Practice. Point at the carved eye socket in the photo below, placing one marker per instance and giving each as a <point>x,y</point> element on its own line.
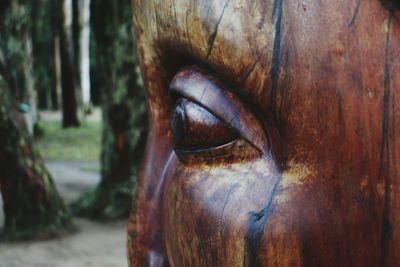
<point>195,128</point>
<point>210,122</point>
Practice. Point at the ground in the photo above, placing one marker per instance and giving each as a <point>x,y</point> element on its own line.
<point>94,244</point>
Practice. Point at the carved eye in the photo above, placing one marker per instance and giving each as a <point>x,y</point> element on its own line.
<point>209,121</point>
<point>195,128</point>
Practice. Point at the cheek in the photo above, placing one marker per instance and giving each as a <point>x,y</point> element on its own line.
<point>206,211</point>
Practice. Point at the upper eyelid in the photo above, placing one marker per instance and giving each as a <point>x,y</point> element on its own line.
<point>194,84</point>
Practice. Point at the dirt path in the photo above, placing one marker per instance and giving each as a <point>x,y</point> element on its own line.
<point>95,244</point>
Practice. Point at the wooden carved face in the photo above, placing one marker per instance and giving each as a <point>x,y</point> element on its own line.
<point>274,133</point>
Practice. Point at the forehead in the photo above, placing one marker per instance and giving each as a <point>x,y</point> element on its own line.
<point>264,46</point>
<point>235,38</point>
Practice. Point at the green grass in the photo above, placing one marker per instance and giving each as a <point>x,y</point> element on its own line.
<point>71,144</point>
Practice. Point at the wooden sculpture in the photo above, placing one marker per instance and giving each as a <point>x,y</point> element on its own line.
<point>274,133</point>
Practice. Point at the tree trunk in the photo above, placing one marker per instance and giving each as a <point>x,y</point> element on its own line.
<point>56,79</point>
<point>42,36</point>
<point>123,112</point>
<point>31,95</point>
<point>68,79</point>
<point>32,206</point>
<point>56,87</point>
<point>16,60</point>
<point>84,57</point>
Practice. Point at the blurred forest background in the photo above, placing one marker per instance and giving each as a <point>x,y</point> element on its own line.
<point>71,108</point>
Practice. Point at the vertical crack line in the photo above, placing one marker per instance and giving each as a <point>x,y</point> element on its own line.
<point>213,35</point>
<point>175,19</point>
<point>255,231</point>
<point>157,16</point>
<point>258,220</point>
<point>355,14</point>
<point>385,152</point>
<point>275,66</point>
<point>250,70</point>
<point>187,31</point>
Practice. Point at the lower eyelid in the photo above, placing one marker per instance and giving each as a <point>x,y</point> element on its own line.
<point>236,150</point>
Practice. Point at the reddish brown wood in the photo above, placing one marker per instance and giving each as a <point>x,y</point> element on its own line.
<point>311,175</point>
<point>195,128</point>
<point>194,84</point>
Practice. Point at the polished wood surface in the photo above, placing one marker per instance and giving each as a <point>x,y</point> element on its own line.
<point>274,133</point>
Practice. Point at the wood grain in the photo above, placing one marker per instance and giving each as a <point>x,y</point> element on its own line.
<point>322,78</point>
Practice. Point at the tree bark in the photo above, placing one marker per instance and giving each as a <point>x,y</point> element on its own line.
<point>32,206</point>
<point>56,79</point>
<point>56,90</point>
<point>68,78</point>
<point>84,56</point>
<point>16,60</point>
<point>42,35</point>
<point>31,94</point>
<point>124,114</point>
